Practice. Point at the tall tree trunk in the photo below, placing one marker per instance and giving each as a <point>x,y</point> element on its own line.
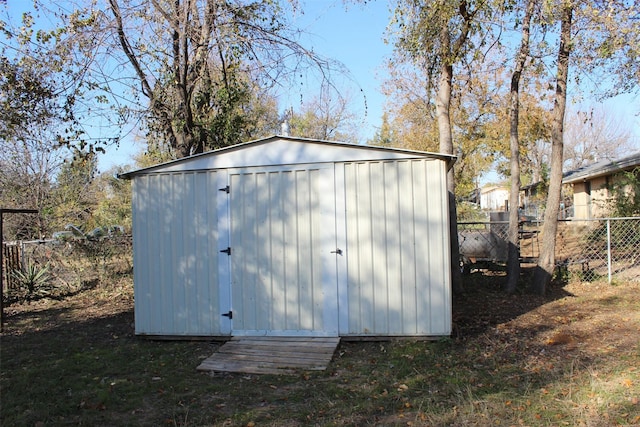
<point>443,104</point>
<point>546,261</point>
<point>513,257</point>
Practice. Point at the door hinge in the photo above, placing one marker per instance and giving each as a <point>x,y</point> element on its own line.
<point>225,189</point>
<point>226,251</point>
<point>229,314</point>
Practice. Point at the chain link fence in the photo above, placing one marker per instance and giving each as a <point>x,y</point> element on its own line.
<point>590,249</point>
<point>600,248</point>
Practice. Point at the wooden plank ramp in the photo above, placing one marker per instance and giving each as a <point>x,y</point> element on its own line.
<point>272,355</point>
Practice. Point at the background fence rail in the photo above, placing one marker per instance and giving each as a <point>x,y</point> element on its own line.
<point>606,247</point>
<point>592,249</point>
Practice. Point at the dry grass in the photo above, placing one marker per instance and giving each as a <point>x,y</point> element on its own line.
<point>570,358</point>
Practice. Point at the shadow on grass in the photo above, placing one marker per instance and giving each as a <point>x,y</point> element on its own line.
<point>78,362</point>
<point>484,304</point>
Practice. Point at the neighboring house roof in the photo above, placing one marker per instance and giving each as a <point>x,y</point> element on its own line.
<point>492,189</point>
<point>286,150</point>
<point>602,168</point>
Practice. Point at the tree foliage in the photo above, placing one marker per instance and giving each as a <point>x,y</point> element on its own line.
<point>625,194</point>
<point>325,117</point>
<point>436,36</point>
<point>385,136</point>
<point>197,73</point>
<point>44,91</point>
<point>74,195</point>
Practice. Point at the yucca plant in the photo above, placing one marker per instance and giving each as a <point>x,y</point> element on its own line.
<point>32,277</point>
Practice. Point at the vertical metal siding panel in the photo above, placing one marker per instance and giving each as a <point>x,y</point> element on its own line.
<point>426,260</point>
<point>183,274</point>
<point>268,259</point>
<point>190,223</point>
<point>365,242</point>
<point>433,276</point>
<point>353,253</point>
<point>394,245</point>
<point>221,285</point>
<point>367,214</point>
<point>439,297</point>
<point>314,292</point>
<point>407,251</point>
<point>377,185</point>
<point>291,254</point>
<point>236,228</point>
<point>200,250</point>
<point>262,243</point>
<point>174,300</point>
<point>325,226</point>
<point>164,309</point>
<point>210,307</point>
<point>305,267</point>
<point>278,247</point>
<point>156,249</point>
<point>341,189</point>
<point>141,237</point>
<point>249,258</point>
<point>204,300</point>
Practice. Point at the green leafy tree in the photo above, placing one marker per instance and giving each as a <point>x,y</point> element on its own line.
<point>326,117</point>
<point>625,194</point>
<point>594,37</point>
<point>437,36</point>
<point>75,196</point>
<point>114,199</point>
<point>385,135</point>
<point>27,171</point>
<point>44,92</point>
<point>513,245</point>
<point>43,110</point>
<point>194,72</point>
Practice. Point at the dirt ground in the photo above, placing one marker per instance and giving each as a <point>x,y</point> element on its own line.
<point>590,316</point>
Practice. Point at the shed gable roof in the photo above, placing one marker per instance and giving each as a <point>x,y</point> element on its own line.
<point>284,150</point>
<point>602,168</point>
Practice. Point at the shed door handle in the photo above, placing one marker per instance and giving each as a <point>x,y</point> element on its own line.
<point>337,251</point>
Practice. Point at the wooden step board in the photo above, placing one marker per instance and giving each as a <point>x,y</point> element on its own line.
<point>272,355</point>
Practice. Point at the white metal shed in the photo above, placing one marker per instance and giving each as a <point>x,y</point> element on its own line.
<point>293,237</point>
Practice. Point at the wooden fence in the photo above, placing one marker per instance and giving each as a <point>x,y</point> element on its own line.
<point>11,260</point>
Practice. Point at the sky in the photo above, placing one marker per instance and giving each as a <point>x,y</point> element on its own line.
<point>353,34</point>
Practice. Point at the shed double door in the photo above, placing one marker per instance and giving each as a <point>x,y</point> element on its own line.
<point>282,237</point>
